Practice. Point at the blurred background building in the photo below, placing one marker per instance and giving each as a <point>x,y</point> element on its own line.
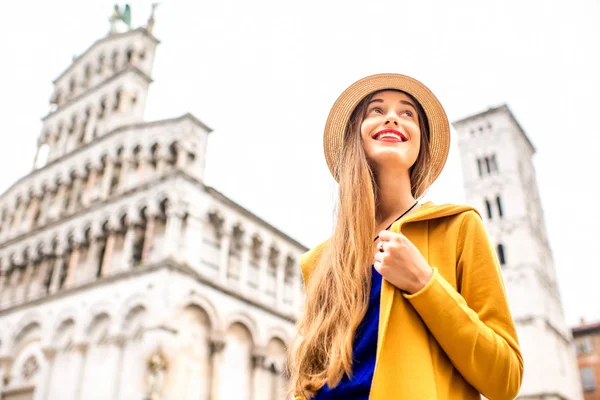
<point>499,179</point>
<point>587,346</point>
<point>123,276</point>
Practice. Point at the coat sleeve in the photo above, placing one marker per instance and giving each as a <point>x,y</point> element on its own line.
<point>474,327</point>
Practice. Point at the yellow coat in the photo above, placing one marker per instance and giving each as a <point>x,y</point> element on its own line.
<point>455,338</point>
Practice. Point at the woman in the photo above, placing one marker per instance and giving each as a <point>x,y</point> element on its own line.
<point>404,301</point>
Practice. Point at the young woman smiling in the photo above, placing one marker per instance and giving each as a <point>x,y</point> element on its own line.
<point>405,300</point>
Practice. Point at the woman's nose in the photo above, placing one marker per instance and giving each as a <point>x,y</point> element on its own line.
<point>391,119</point>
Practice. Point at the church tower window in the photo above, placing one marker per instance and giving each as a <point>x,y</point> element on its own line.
<point>499,204</point>
<point>501,254</point>
<point>488,206</point>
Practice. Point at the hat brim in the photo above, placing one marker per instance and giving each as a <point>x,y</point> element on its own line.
<point>439,127</point>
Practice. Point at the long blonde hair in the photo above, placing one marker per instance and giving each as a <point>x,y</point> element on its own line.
<point>337,294</point>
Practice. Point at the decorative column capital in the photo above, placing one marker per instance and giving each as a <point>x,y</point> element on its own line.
<point>217,345</point>
<point>259,358</point>
<point>49,352</point>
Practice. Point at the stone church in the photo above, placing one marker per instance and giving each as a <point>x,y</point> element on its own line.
<point>122,275</point>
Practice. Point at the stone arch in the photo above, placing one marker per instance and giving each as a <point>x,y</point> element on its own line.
<point>246,321</point>
<point>132,305</point>
<point>32,317</point>
<point>26,334</point>
<point>280,334</point>
<point>99,329</point>
<point>66,315</point>
<point>133,322</point>
<point>237,361</point>
<point>195,299</point>
<point>102,308</point>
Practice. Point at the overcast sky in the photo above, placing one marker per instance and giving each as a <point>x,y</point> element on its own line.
<point>264,74</point>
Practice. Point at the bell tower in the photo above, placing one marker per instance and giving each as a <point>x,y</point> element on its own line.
<point>499,179</point>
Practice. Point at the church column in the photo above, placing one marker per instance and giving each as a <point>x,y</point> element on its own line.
<point>14,284</point>
<point>126,165</point>
<point>37,289</point>
<point>173,235</point>
<point>88,193</point>
<point>88,272</point>
<point>44,379</point>
<point>224,257</point>
<point>77,366</point>
<point>263,272</point>
<point>45,205</point>
<point>91,125</point>
<point>129,241</point>
<point>3,287</point>
<point>217,345</point>
<point>260,376</point>
<point>148,235</point>
<point>28,280</point>
<point>280,280</point>
<point>75,189</point>
<point>59,202</point>
<point>56,271</point>
<point>72,266</point>
<point>245,263</point>
<point>34,204</point>
<point>107,177</point>
<point>181,156</point>
<point>161,160</point>
<point>108,253</point>
<point>118,342</point>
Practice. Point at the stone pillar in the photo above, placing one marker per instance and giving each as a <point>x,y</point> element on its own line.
<point>91,125</point>
<point>72,267</point>
<point>263,271</point>
<point>127,253</point>
<point>118,342</point>
<point>14,288</point>
<point>56,271</point>
<point>181,156</point>
<point>34,205</point>
<point>172,232</point>
<point>245,264</point>
<point>80,350</point>
<point>88,193</point>
<point>28,279</point>
<point>126,166</point>
<point>217,345</point>
<point>18,219</point>
<point>107,177</point>
<point>59,201</point>
<point>224,259</point>
<point>75,189</point>
<point>3,287</point>
<point>280,280</point>
<point>161,162</point>
<point>148,237</point>
<point>45,205</point>
<point>44,380</point>
<point>260,376</point>
<point>37,289</point>
<point>88,272</point>
<point>108,253</point>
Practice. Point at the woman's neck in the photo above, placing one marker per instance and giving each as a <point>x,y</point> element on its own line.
<point>394,196</point>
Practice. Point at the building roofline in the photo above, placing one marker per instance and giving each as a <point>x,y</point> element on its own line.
<point>102,40</point>
<point>189,116</point>
<point>129,68</point>
<point>220,196</point>
<point>587,328</point>
<point>491,110</point>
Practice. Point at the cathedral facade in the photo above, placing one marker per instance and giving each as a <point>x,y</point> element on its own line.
<point>123,276</point>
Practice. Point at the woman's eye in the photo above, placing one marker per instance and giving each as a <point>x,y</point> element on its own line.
<point>408,113</point>
<point>377,110</point>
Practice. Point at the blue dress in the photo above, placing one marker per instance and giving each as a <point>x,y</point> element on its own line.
<point>364,353</point>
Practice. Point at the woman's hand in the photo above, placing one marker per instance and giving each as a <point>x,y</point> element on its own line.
<point>401,263</point>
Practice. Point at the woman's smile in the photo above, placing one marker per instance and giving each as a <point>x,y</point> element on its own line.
<point>390,135</point>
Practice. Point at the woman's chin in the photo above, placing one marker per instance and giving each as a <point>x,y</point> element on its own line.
<point>391,160</point>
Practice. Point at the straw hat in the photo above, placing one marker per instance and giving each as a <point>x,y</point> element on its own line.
<point>439,128</point>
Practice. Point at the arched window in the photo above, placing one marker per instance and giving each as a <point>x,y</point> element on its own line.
<point>488,206</point>
<point>480,167</point>
<point>499,204</point>
<point>501,254</point>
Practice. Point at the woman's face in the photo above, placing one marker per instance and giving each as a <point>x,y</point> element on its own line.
<point>390,131</point>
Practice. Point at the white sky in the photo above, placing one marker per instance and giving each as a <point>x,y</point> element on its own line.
<point>264,74</point>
